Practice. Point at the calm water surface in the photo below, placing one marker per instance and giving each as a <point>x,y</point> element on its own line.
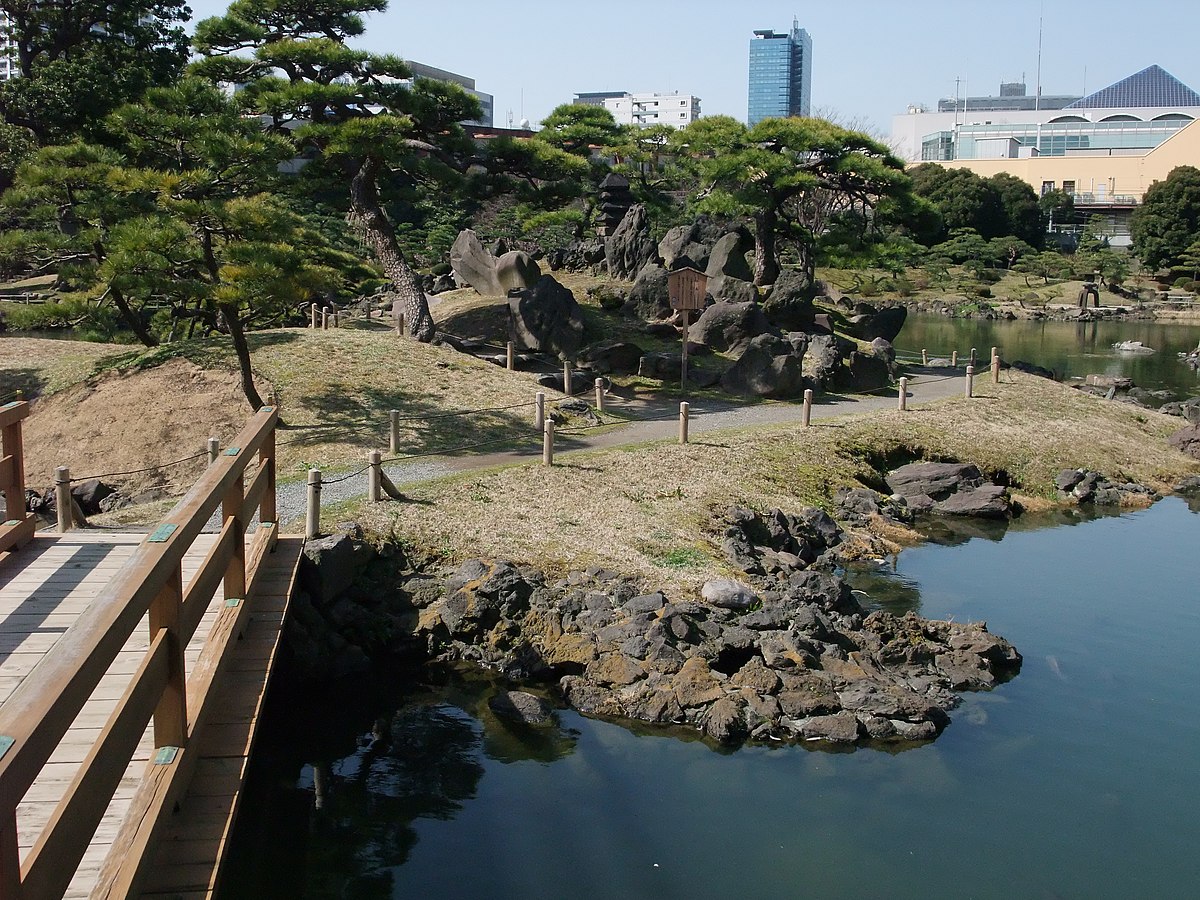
<point>1071,349</point>
<point>1076,779</point>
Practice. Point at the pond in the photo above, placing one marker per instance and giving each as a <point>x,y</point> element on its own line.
<point>1071,349</point>
<point>1075,779</point>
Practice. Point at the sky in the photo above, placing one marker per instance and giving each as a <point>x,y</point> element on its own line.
<point>870,59</point>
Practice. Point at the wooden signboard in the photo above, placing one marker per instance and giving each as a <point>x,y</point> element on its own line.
<point>687,288</point>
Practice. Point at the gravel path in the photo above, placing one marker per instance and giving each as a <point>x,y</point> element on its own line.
<point>657,420</point>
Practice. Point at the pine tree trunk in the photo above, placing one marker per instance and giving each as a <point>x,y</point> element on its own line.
<point>230,314</point>
<point>766,264</point>
<point>132,319</point>
<point>367,217</point>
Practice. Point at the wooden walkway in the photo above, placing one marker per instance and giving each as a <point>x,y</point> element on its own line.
<point>43,589</point>
<point>133,668</point>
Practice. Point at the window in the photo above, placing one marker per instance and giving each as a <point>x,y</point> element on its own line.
<point>1068,187</point>
<point>1047,187</point>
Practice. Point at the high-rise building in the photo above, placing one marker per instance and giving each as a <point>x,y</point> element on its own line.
<point>8,64</point>
<point>780,74</point>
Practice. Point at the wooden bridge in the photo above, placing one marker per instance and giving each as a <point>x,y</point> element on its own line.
<point>132,671</point>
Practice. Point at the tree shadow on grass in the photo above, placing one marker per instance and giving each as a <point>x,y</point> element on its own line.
<point>29,381</point>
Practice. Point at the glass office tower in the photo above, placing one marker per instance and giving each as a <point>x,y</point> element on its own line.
<point>780,74</point>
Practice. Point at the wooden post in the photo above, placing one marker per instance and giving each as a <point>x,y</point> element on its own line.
<point>600,395</point>
<point>903,394</point>
<point>325,319</point>
<point>995,365</point>
<point>374,471</point>
<point>684,411</point>
<point>568,381</point>
<point>393,431</point>
<point>397,317</point>
<point>10,857</point>
<point>683,361</point>
<point>400,325</point>
<point>63,499</point>
<point>954,359</point>
<point>539,410</point>
<point>312,516</point>
<point>808,398</point>
<point>548,443</point>
<point>214,449</point>
<point>970,387</point>
<point>337,318</point>
<point>924,357</point>
<point>231,513</point>
<point>974,357</point>
<point>510,362</point>
<point>170,716</point>
<point>314,316</point>
<point>267,510</point>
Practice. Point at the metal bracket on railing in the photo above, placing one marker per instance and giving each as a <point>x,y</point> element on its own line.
<point>233,602</point>
<point>6,744</point>
<point>165,756</point>
<point>161,533</point>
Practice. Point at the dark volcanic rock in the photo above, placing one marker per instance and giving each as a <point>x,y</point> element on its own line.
<point>730,327</point>
<point>519,706</point>
<point>769,366</point>
<point>955,489</point>
<point>546,319</point>
<point>630,247</point>
<point>649,297</point>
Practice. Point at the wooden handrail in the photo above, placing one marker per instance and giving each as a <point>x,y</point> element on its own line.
<point>18,524</point>
<point>42,708</point>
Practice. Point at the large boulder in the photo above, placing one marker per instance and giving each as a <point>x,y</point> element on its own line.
<point>630,247</point>
<point>866,372</point>
<point>789,304</point>
<point>546,319</point>
<point>769,367</point>
<point>612,357</point>
<point>728,259</point>
<point>730,327</point>
<point>1187,440</point>
<point>516,271</point>
<point>649,298</point>
<point>679,242</point>
<point>474,264</point>
<point>953,489</point>
<point>825,355</point>
<point>886,324</point>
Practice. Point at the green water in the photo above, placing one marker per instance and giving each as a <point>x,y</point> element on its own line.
<point>1076,779</point>
<point>1071,349</point>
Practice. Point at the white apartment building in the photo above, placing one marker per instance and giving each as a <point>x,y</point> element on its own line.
<point>8,65</point>
<point>674,109</point>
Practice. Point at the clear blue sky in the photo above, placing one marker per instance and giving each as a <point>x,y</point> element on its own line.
<point>870,59</point>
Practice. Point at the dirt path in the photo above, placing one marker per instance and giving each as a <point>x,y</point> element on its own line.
<point>656,420</point>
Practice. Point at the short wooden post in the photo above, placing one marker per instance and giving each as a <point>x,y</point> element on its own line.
<point>684,412</point>
<point>268,507</point>
<point>374,471</point>
<point>510,359</point>
<point>995,365</point>
<point>325,319</point>
<point>234,583</point>
<point>974,357</point>
<point>924,357</point>
<point>539,410</point>
<point>808,398</point>
<point>600,395</point>
<point>397,317</point>
<point>970,386</point>
<point>568,381</point>
<point>214,449</point>
<point>954,359</point>
<point>393,431</point>
<point>315,315</point>
<point>63,499</point>
<point>337,318</point>
<point>170,716</point>
<point>903,405</point>
<point>548,443</point>
<point>312,513</point>
<point>400,325</point>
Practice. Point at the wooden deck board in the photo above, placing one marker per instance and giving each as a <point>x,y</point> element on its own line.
<point>44,586</point>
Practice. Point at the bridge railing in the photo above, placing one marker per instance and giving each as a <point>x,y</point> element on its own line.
<point>40,711</point>
<point>18,523</point>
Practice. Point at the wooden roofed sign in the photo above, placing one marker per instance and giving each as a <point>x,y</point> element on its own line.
<point>687,288</point>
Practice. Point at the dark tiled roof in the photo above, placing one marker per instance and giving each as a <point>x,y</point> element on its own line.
<point>1153,86</point>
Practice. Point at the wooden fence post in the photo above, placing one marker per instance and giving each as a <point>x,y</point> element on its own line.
<point>684,412</point>
<point>510,359</point>
<point>808,398</point>
<point>214,449</point>
<point>954,359</point>
<point>568,380</point>
<point>974,357</point>
<point>995,365</point>
<point>337,318</point>
<point>539,410</point>
<point>599,395</point>
<point>231,510</point>
<point>374,470</point>
<point>970,386</point>
<point>924,357</point>
<point>314,315</point>
<point>312,516</point>
<point>170,715</point>
<point>548,443</point>
<point>325,318</point>
<point>393,431</point>
<point>903,394</point>
<point>62,498</point>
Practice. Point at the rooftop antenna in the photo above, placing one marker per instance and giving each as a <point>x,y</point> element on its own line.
<point>957,81</point>
<point>1037,100</point>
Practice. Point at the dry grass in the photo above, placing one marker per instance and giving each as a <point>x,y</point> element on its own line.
<point>655,510</point>
<point>40,367</point>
